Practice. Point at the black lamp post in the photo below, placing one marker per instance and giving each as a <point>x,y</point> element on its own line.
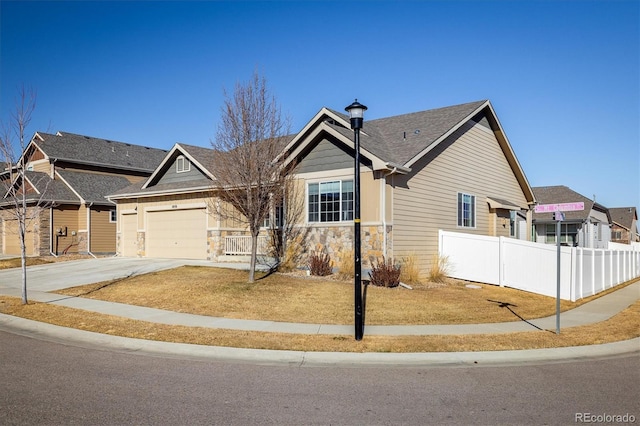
<point>356,113</point>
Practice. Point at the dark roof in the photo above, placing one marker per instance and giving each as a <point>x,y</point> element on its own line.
<point>49,190</point>
<point>100,152</point>
<point>204,156</point>
<point>623,216</point>
<point>93,187</point>
<point>136,188</point>
<point>562,194</point>
<point>399,138</point>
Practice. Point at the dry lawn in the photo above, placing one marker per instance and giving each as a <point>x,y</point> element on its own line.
<point>623,326</point>
<point>15,262</point>
<point>278,297</point>
<point>225,293</point>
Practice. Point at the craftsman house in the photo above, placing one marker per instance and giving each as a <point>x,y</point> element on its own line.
<point>624,228</point>
<point>588,228</point>
<point>449,168</point>
<point>67,177</point>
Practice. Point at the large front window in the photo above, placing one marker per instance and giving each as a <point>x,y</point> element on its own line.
<point>466,210</point>
<point>568,234</point>
<point>330,201</point>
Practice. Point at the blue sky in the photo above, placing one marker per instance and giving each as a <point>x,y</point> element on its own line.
<point>563,76</point>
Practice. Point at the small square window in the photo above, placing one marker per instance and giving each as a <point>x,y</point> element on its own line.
<point>113,217</point>
<point>182,164</point>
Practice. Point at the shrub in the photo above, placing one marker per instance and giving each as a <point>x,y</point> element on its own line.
<point>385,274</point>
<point>293,254</point>
<point>320,263</point>
<point>410,270</point>
<point>346,264</point>
<point>439,268</point>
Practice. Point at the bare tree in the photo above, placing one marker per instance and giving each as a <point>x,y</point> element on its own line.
<point>247,165</point>
<point>286,234</point>
<point>17,188</point>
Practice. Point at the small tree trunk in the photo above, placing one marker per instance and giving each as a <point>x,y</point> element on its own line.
<point>23,264</point>
<point>254,255</point>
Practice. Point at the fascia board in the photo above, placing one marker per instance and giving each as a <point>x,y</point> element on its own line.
<point>378,163</point>
<point>157,193</point>
<point>161,165</point>
<point>316,120</point>
<point>196,162</point>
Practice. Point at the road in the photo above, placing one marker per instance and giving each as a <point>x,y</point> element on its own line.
<point>56,384</point>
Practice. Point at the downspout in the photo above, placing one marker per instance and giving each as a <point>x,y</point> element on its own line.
<point>384,209</point>
<point>51,233</point>
<point>89,230</point>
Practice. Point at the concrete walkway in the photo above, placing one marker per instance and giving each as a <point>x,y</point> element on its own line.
<point>85,272</point>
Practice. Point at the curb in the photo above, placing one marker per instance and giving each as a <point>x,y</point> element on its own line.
<point>92,340</point>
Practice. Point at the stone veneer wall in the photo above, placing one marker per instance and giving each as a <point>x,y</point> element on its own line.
<point>43,241</point>
<point>338,239</point>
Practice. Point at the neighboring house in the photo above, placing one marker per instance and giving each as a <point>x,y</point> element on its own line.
<point>625,225</point>
<point>450,168</point>
<point>67,179</point>
<point>588,228</point>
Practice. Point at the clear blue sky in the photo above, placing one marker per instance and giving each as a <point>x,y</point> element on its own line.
<point>562,76</point>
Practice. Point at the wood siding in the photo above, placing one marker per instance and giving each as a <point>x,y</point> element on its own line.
<point>468,161</point>
<point>102,232</point>
<point>171,174</point>
<point>65,217</point>
<point>325,156</point>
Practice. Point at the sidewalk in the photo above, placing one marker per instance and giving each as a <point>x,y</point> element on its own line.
<point>589,313</point>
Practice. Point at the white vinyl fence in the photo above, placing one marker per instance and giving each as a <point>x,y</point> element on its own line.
<point>241,244</point>
<point>532,266</point>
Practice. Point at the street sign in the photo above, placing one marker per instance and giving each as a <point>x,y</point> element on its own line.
<point>561,207</point>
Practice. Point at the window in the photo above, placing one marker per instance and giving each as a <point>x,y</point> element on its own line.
<point>113,217</point>
<point>568,234</point>
<point>182,164</point>
<point>330,201</point>
<point>466,210</point>
<point>276,213</point>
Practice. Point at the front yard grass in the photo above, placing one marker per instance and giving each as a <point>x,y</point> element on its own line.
<point>278,297</point>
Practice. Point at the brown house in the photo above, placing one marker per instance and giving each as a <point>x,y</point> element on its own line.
<point>624,228</point>
<point>67,177</point>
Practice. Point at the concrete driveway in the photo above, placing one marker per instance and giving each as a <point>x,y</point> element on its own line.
<point>55,276</point>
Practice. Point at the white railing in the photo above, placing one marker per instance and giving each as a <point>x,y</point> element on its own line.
<point>532,266</point>
<point>241,244</point>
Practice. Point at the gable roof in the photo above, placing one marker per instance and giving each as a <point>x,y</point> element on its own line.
<point>563,194</point>
<point>47,190</point>
<point>397,143</point>
<point>201,157</point>
<point>624,216</point>
<point>96,151</point>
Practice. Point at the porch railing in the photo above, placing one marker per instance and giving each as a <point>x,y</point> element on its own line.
<point>241,244</point>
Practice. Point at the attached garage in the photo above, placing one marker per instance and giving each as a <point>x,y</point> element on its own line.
<point>177,234</point>
<point>129,235</point>
<point>12,240</point>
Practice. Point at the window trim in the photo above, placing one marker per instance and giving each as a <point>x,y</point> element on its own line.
<point>460,219</point>
<point>113,216</point>
<point>186,164</point>
<point>341,201</point>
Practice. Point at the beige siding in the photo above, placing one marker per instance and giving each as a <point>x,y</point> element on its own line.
<point>102,232</point>
<point>12,240</point>
<point>41,166</point>
<point>128,235</point>
<point>65,217</point>
<point>469,161</point>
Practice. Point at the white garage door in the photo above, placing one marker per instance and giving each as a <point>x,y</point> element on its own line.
<point>129,235</point>
<point>177,234</point>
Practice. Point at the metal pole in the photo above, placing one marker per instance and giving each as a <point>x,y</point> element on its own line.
<point>356,245</point>
<point>558,230</point>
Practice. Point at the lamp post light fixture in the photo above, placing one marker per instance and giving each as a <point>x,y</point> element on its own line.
<point>356,114</point>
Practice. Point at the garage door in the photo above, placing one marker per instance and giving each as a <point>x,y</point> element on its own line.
<point>129,235</point>
<point>12,241</point>
<point>177,234</point>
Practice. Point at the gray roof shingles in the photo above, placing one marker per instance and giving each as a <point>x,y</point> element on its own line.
<point>561,194</point>
<point>623,216</point>
<point>100,152</point>
<point>93,187</point>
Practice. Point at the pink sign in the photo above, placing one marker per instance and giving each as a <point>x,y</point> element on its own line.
<point>563,207</point>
